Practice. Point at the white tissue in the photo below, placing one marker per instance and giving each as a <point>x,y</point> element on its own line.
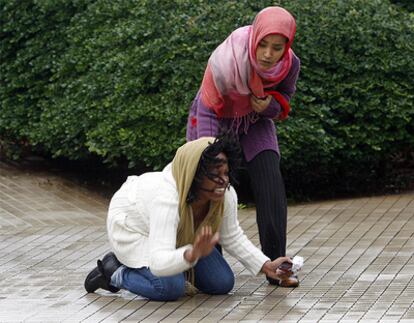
<point>297,264</point>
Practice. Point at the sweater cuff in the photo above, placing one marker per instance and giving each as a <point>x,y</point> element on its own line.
<point>189,264</point>
<point>272,111</point>
<point>257,264</point>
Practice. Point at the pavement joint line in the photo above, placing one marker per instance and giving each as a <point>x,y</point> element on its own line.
<point>359,262</point>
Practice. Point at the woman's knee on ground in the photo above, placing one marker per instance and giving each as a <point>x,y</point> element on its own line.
<point>169,289</point>
<point>220,285</point>
<point>152,287</point>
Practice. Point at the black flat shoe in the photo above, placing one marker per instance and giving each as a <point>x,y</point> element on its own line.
<point>290,282</point>
<point>100,276</point>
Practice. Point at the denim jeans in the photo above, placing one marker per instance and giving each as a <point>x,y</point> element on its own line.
<point>213,275</point>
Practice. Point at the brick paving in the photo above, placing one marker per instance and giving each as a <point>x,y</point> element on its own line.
<point>359,264</point>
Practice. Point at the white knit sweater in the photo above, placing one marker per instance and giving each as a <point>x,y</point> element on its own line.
<point>143,220</point>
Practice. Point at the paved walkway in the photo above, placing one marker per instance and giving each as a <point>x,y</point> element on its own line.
<point>359,263</point>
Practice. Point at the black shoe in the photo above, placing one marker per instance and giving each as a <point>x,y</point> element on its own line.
<point>291,281</point>
<point>100,276</point>
<point>272,281</point>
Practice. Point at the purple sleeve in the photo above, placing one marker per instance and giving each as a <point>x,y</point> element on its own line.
<point>202,121</point>
<point>207,121</point>
<point>272,110</point>
<point>287,88</point>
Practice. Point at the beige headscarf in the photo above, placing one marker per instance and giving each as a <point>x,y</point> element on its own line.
<point>184,166</point>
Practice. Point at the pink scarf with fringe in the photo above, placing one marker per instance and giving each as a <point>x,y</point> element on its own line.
<point>232,73</point>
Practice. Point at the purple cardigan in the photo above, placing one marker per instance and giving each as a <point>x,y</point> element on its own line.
<point>257,131</point>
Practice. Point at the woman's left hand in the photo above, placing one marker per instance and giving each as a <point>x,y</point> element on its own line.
<point>203,245</point>
<point>271,268</point>
<point>259,105</point>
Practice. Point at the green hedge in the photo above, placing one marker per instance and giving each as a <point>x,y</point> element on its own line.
<point>406,4</point>
<point>114,79</point>
<point>356,93</point>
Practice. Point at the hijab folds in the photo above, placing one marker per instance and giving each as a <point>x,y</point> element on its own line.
<point>232,73</point>
<point>184,166</point>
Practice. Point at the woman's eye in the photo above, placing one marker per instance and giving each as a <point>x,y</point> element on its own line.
<point>213,175</point>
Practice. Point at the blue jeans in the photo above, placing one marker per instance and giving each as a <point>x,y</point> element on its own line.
<point>213,275</point>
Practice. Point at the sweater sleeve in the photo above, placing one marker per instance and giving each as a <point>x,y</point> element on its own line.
<point>235,242</point>
<point>207,121</point>
<point>287,88</point>
<point>272,110</point>
<point>165,258</point>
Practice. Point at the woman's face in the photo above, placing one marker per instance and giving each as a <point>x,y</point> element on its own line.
<point>270,50</point>
<point>212,188</point>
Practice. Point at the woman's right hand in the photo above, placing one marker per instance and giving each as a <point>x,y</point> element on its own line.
<point>203,245</point>
<point>259,105</point>
<point>272,270</point>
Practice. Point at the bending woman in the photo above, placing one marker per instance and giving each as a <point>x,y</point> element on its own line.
<point>248,82</point>
<point>163,228</point>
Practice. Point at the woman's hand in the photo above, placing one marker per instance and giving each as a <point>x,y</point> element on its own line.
<point>259,105</point>
<point>203,244</point>
<point>270,268</point>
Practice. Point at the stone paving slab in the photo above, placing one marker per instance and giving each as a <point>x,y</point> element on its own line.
<point>359,264</point>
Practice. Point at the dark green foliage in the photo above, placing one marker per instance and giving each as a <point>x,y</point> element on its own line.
<point>117,79</point>
<point>356,93</point>
<point>406,4</point>
<point>32,39</point>
<point>114,79</point>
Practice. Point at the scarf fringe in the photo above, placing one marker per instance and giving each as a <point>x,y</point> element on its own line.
<point>240,125</point>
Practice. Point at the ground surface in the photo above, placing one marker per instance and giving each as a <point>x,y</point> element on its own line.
<point>359,263</point>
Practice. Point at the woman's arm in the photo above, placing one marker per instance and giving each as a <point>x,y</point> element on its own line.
<point>165,258</point>
<point>206,120</point>
<point>239,246</point>
<point>287,88</point>
<point>234,241</point>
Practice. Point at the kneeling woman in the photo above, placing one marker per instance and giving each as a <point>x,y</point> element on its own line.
<point>163,228</point>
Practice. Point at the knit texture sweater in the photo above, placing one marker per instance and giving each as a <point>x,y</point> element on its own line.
<point>143,220</point>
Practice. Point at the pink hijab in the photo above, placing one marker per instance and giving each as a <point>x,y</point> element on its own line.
<point>232,73</point>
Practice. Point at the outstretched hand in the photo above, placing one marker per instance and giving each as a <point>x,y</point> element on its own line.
<point>203,245</point>
<point>272,270</point>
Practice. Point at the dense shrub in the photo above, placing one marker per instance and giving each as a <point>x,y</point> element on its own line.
<point>123,83</point>
<point>32,39</point>
<point>114,79</point>
<point>355,92</point>
<point>406,4</point>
